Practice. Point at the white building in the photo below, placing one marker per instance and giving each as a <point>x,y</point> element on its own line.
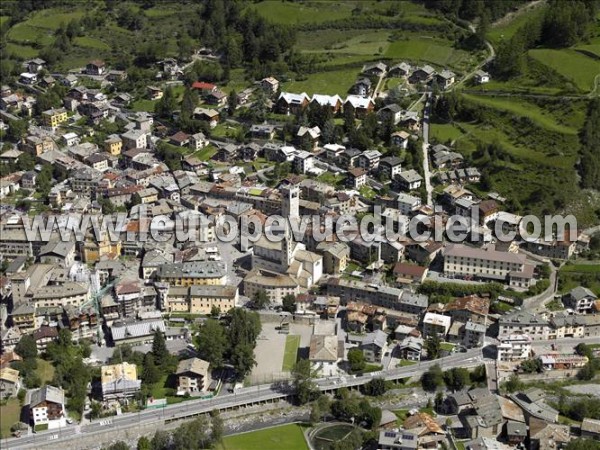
<point>514,347</point>
<point>70,139</point>
<point>47,407</point>
<point>408,203</point>
<point>324,354</point>
<point>436,324</point>
<point>134,139</point>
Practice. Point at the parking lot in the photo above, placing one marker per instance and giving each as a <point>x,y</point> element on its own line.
<point>270,348</point>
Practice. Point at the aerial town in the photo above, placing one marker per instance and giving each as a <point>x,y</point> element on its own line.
<point>300,225</point>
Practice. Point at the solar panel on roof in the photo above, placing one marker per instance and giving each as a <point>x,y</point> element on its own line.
<point>408,437</point>
<point>390,434</point>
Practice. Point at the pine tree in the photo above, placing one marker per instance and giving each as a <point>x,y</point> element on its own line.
<point>159,349</point>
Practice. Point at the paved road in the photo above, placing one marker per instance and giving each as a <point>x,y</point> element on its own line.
<point>242,397</point>
<point>426,173</point>
<point>537,302</point>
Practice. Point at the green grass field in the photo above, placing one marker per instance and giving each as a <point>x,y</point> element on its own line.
<point>333,82</point>
<point>527,154</point>
<point>20,51</point>
<point>23,33</point>
<point>296,13</point>
<point>4,19</point>
<point>288,437</point>
<point>45,370</point>
<point>292,342</point>
<point>508,29</point>
<point>9,415</point>
<point>90,42</point>
<point>523,108</point>
<point>578,68</point>
<point>53,18</point>
<point>349,42</point>
<point>444,132</point>
<point>423,50</point>
<point>590,48</point>
<point>581,268</point>
<point>143,104</point>
<point>206,153</point>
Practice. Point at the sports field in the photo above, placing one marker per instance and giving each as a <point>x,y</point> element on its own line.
<point>288,437</point>
<point>292,342</point>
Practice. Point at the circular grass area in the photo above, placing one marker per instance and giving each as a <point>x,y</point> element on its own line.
<point>324,437</point>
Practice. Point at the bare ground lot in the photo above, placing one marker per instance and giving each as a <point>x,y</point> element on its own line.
<point>270,349</point>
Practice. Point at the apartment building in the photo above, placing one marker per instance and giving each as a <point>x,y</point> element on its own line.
<point>69,293</point>
<point>193,273</point>
<point>489,263</point>
<point>119,381</point>
<point>523,322</point>
<point>436,324</point>
<point>200,299</point>
<point>54,117</point>
<point>277,286</point>
<point>514,347</point>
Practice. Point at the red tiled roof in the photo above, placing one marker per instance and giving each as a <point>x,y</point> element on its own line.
<point>409,269</point>
<point>203,85</point>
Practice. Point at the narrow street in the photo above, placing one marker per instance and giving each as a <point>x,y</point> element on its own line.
<point>426,172</point>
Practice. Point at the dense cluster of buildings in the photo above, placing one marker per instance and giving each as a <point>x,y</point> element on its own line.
<point>121,289</point>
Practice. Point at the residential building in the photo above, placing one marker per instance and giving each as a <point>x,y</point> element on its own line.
<point>119,381</point>
<point>202,299</point>
<point>96,67</point>
<point>9,382</point>
<point>135,332</point>
<point>408,204</point>
<point>514,347</point>
<point>71,139</point>
<point>47,407</point>
<point>590,429</point>
<point>113,144</point>
<point>445,78</point>
<point>373,346</point>
<point>410,180</point>
<point>309,135</point>
<point>390,167</point>
<point>436,324</point>
<point>135,139</point>
<point>523,322</point>
<point>581,299</point>
<point>489,264</point>
<point>193,273</point>
<point>481,77</point>
<point>269,85</point>
<point>410,348</point>
<point>198,141</point>
<point>369,160</point>
<point>357,177</point>
<point>397,440</point>
<point>289,103</point>
<point>54,117</point>
<point>324,354</point>
<point>276,285</point>
<point>409,273</point>
<point>361,106</point>
<point>335,256</point>
<point>333,102</point>
<point>192,376</point>
<point>400,139</point>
